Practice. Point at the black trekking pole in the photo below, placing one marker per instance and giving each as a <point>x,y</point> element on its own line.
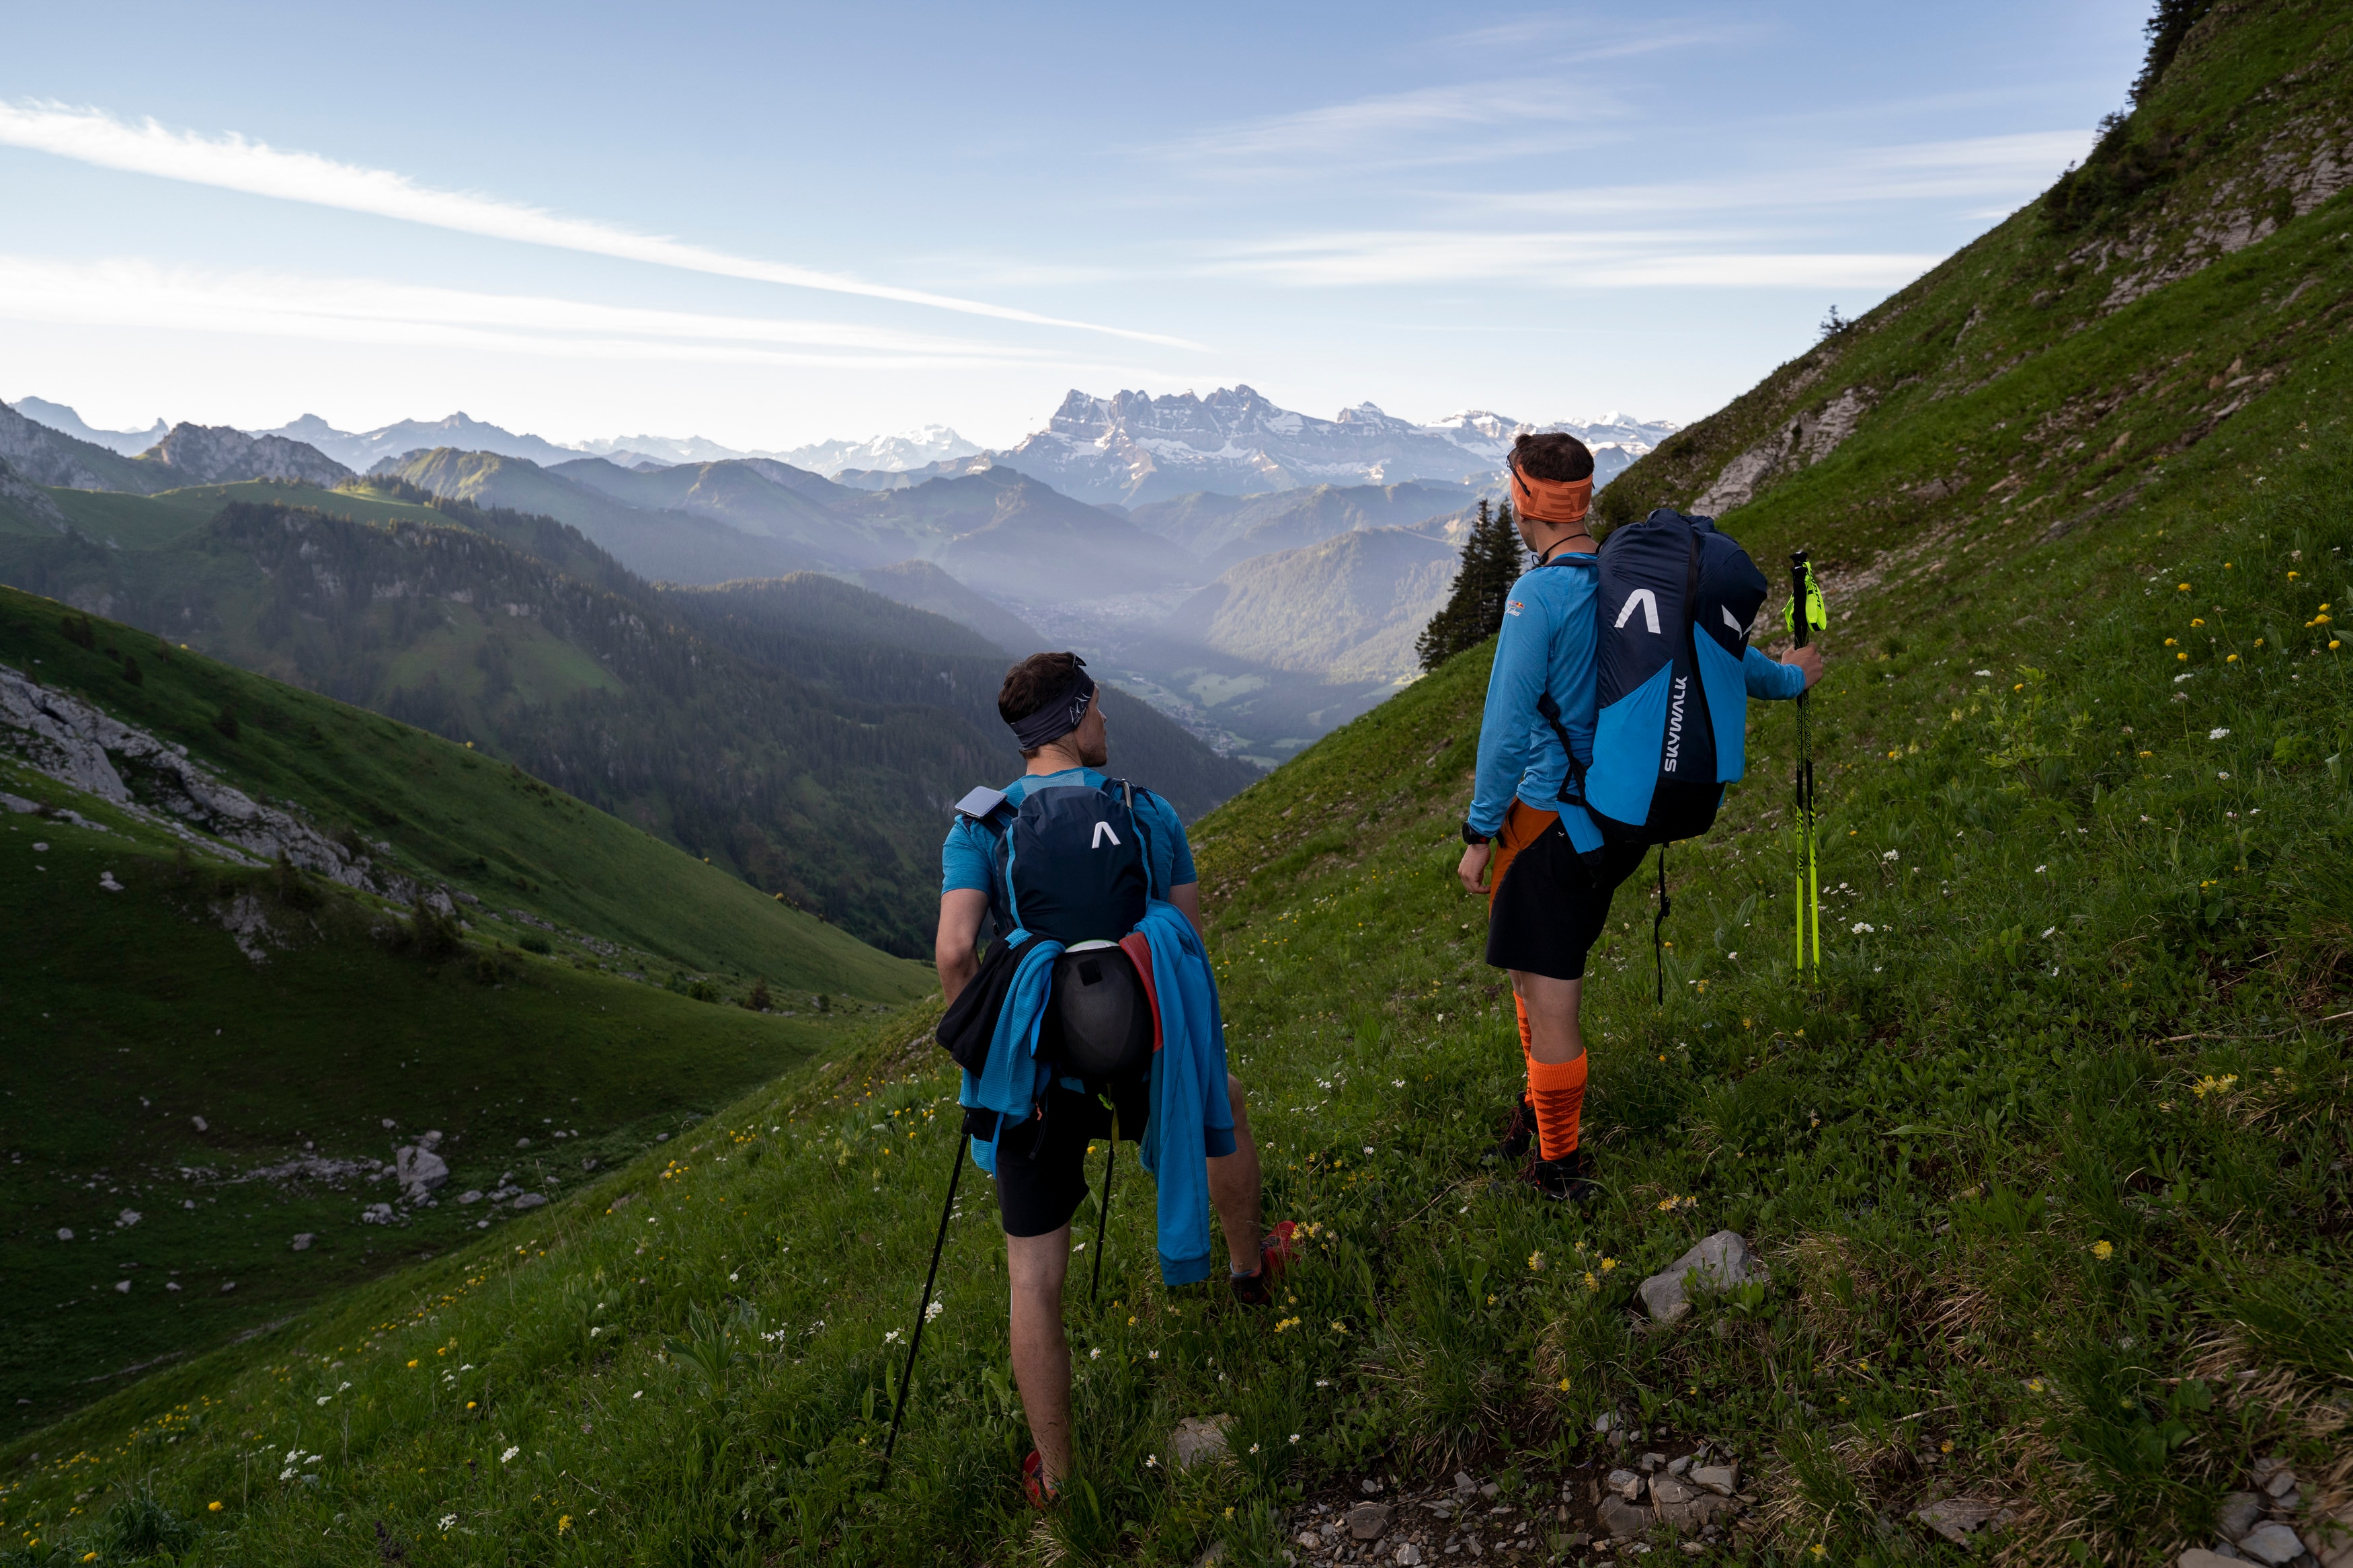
<point>1102,1226</point>
<point>1808,887</point>
<point>1658,928</point>
<point>923,1308</point>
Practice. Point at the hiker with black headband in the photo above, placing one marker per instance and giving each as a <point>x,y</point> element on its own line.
<point>1094,1016</point>
<point>1532,839</point>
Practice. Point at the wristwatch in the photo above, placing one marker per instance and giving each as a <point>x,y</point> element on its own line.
<point>1472,836</point>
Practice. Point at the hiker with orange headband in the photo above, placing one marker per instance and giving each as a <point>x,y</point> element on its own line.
<point>1549,891</point>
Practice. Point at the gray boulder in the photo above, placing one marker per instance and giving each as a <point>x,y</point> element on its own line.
<point>1716,1264</point>
<point>1621,1518</point>
<point>419,1170</point>
<point>2274,1543</point>
<point>1197,1438</point>
<point>1959,1518</point>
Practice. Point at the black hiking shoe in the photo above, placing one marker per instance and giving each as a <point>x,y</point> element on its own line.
<point>1519,1132</point>
<point>1567,1179</point>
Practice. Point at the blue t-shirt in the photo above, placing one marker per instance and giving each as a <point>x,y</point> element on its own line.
<point>968,857</point>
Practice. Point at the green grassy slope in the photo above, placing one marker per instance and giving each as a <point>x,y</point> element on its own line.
<point>451,813</point>
<point>2049,1167</point>
<point>2060,1095</point>
<point>183,1104</point>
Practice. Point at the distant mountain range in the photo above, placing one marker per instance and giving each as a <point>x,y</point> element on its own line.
<point>1134,448</point>
<point>1259,573</point>
<point>57,417</point>
<point>362,450</point>
<point>889,454</point>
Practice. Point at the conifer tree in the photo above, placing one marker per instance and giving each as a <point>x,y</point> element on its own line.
<point>1492,560</point>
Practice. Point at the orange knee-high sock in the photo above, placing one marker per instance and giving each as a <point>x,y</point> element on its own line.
<point>1528,1054</point>
<point>1560,1103</point>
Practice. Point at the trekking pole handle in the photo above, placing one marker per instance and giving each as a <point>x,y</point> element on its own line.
<point>1802,574</point>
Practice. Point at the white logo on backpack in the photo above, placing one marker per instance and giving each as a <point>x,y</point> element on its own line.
<point>1649,604</point>
<point>1102,831</point>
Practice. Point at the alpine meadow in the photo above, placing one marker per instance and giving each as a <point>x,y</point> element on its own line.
<point>2043,1170</point>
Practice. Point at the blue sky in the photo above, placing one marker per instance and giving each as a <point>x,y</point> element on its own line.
<point>771,224</point>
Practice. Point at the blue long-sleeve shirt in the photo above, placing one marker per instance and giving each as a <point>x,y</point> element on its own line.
<point>1546,646</point>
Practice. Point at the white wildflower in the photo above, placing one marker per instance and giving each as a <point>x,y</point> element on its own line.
<point>509,1455</point>
<point>2217,733</point>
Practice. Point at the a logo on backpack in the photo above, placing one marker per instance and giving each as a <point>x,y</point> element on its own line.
<point>1648,604</point>
<point>1103,831</point>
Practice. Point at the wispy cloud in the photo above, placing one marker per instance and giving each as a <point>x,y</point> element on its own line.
<point>1472,121</point>
<point>137,294</point>
<point>1974,169</point>
<point>1572,39</point>
<point>231,162</point>
<point>1563,259</point>
<point>1781,227</point>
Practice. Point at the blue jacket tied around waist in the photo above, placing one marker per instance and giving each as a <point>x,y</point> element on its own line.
<point>1192,1118</point>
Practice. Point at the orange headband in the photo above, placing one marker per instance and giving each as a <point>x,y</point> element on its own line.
<point>1554,502</point>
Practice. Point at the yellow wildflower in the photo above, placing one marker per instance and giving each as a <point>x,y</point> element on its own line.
<point>2103,1250</point>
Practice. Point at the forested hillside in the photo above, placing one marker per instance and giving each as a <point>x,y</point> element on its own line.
<point>806,736</point>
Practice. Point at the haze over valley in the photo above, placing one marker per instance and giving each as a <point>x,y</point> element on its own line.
<point>1198,548</point>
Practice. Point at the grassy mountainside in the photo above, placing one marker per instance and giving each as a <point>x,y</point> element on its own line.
<point>451,814</point>
<point>204,1057</point>
<point>2049,1167</point>
<point>2052,1155</point>
<point>2054,373</point>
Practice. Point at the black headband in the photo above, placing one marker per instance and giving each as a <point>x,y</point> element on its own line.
<point>1059,716</point>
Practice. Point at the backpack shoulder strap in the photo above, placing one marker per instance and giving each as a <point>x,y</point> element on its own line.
<point>1573,777</point>
<point>991,812</point>
<point>1127,791</point>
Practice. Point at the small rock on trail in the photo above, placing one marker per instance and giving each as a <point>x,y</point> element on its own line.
<point>1720,1262</point>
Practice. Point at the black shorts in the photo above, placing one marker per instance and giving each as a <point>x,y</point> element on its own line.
<point>1548,907</point>
<point>1041,1163</point>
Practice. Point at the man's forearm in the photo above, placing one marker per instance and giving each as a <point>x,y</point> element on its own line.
<point>956,971</point>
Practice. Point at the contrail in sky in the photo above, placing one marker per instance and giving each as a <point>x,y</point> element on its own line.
<point>233,162</point>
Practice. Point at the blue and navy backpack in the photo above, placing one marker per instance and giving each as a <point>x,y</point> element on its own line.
<point>1072,861</point>
<point>1673,608</point>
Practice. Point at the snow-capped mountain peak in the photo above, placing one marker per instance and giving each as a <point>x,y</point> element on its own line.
<point>1134,448</point>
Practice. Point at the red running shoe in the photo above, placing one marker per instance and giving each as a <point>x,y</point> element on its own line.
<point>1042,1492</point>
<point>1277,1250</point>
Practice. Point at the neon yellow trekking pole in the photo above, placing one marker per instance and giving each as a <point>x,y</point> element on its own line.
<point>1807,899</point>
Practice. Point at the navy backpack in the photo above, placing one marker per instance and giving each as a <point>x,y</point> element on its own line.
<point>1673,608</point>
<point>1674,605</point>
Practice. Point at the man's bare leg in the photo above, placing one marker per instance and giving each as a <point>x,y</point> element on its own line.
<point>1036,1265</point>
<point>1551,1004</point>
<point>1234,1187</point>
